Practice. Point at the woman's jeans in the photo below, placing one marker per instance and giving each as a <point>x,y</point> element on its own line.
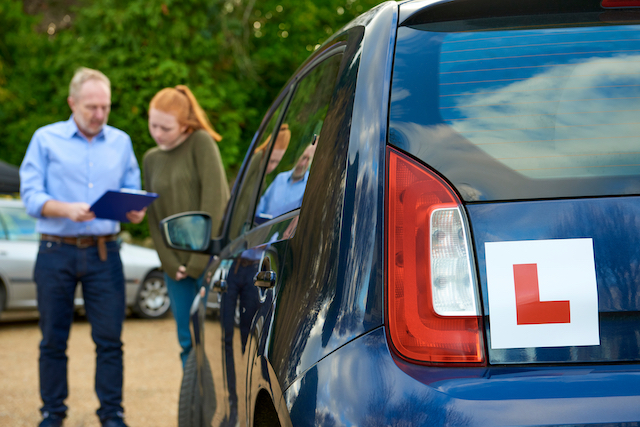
<point>181,294</point>
<point>59,268</point>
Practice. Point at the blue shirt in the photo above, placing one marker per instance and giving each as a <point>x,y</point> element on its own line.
<point>282,196</point>
<point>61,164</point>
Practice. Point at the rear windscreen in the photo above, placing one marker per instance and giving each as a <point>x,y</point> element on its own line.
<point>521,112</point>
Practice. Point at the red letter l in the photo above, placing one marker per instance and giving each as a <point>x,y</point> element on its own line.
<point>532,311</point>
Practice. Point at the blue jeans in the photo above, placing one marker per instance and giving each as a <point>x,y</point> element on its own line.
<point>240,288</point>
<point>59,268</point>
<point>181,294</point>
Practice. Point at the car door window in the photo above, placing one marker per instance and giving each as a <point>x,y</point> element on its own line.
<point>285,181</point>
<point>262,156</point>
<point>18,225</point>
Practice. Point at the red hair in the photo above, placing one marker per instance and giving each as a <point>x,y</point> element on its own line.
<point>182,104</point>
<point>282,140</point>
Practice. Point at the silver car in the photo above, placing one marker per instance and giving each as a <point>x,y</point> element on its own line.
<point>146,291</point>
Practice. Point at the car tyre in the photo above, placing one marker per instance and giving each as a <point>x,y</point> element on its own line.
<point>190,407</point>
<point>152,298</point>
<point>3,297</point>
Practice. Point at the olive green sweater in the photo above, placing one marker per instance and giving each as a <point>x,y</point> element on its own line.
<point>189,177</point>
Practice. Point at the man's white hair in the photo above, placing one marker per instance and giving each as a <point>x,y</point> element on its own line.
<point>84,74</point>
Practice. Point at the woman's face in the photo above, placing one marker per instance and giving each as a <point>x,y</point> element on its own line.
<point>165,129</point>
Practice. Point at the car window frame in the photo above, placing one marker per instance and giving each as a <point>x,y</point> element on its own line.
<point>8,215</point>
<point>241,178</point>
<point>337,49</point>
<point>283,100</point>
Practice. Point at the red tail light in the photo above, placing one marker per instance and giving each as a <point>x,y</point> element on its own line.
<point>432,310</point>
<point>620,4</point>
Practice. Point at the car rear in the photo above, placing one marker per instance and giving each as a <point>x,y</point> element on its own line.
<point>512,263</point>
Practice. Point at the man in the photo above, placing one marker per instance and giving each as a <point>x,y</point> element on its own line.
<point>285,192</point>
<point>67,167</point>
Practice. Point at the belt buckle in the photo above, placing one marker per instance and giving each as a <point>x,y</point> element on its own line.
<point>81,245</point>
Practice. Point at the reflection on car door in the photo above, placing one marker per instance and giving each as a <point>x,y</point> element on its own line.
<point>250,281</point>
<point>225,343</point>
<point>263,220</point>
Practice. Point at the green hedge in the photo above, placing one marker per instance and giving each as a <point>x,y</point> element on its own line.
<point>235,55</point>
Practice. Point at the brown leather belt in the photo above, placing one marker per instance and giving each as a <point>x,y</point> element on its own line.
<point>84,242</point>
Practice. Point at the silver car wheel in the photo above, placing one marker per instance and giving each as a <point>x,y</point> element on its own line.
<point>152,300</point>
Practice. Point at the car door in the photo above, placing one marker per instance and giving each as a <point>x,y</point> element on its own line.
<point>222,337</point>
<point>18,252</point>
<point>263,219</point>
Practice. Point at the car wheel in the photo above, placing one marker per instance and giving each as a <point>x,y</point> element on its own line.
<point>152,299</point>
<point>190,407</point>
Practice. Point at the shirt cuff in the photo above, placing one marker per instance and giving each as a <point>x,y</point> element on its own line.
<point>36,203</point>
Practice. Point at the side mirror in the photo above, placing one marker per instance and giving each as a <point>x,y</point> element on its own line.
<point>191,232</point>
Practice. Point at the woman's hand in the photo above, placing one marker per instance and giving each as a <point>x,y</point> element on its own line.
<point>181,273</point>
<point>136,217</point>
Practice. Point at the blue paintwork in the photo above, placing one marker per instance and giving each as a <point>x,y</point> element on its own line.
<point>614,226</point>
<point>361,384</point>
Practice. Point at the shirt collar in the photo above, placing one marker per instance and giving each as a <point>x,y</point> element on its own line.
<point>304,178</point>
<point>72,130</point>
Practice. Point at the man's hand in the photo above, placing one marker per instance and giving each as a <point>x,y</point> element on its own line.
<point>136,217</point>
<point>78,212</point>
<point>181,273</point>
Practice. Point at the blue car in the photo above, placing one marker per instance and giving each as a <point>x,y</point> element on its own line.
<point>437,223</point>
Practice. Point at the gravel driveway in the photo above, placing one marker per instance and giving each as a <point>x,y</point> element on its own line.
<point>151,380</point>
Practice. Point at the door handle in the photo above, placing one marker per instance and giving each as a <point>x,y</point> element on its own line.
<point>219,286</point>
<point>219,280</point>
<point>265,279</point>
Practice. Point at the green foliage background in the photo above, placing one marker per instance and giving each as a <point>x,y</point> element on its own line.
<point>235,55</point>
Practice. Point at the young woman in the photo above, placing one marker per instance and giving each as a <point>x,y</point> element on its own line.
<point>186,170</point>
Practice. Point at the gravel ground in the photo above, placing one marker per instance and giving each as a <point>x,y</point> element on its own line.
<point>151,381</point>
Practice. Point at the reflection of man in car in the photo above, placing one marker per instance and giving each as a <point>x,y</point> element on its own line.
<point>286,191</point>
<point>240,291</point>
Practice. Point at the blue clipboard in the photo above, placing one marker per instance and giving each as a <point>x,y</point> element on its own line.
<point>114,205</point>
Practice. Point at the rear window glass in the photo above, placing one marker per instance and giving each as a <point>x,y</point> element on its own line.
<point>522,112</point>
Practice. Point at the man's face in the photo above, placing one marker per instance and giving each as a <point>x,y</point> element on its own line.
<point>91,107</point>
<point>303,163</point>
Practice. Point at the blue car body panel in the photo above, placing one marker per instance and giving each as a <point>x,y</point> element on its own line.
<point>612,223</point>
<point>362,384</point>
